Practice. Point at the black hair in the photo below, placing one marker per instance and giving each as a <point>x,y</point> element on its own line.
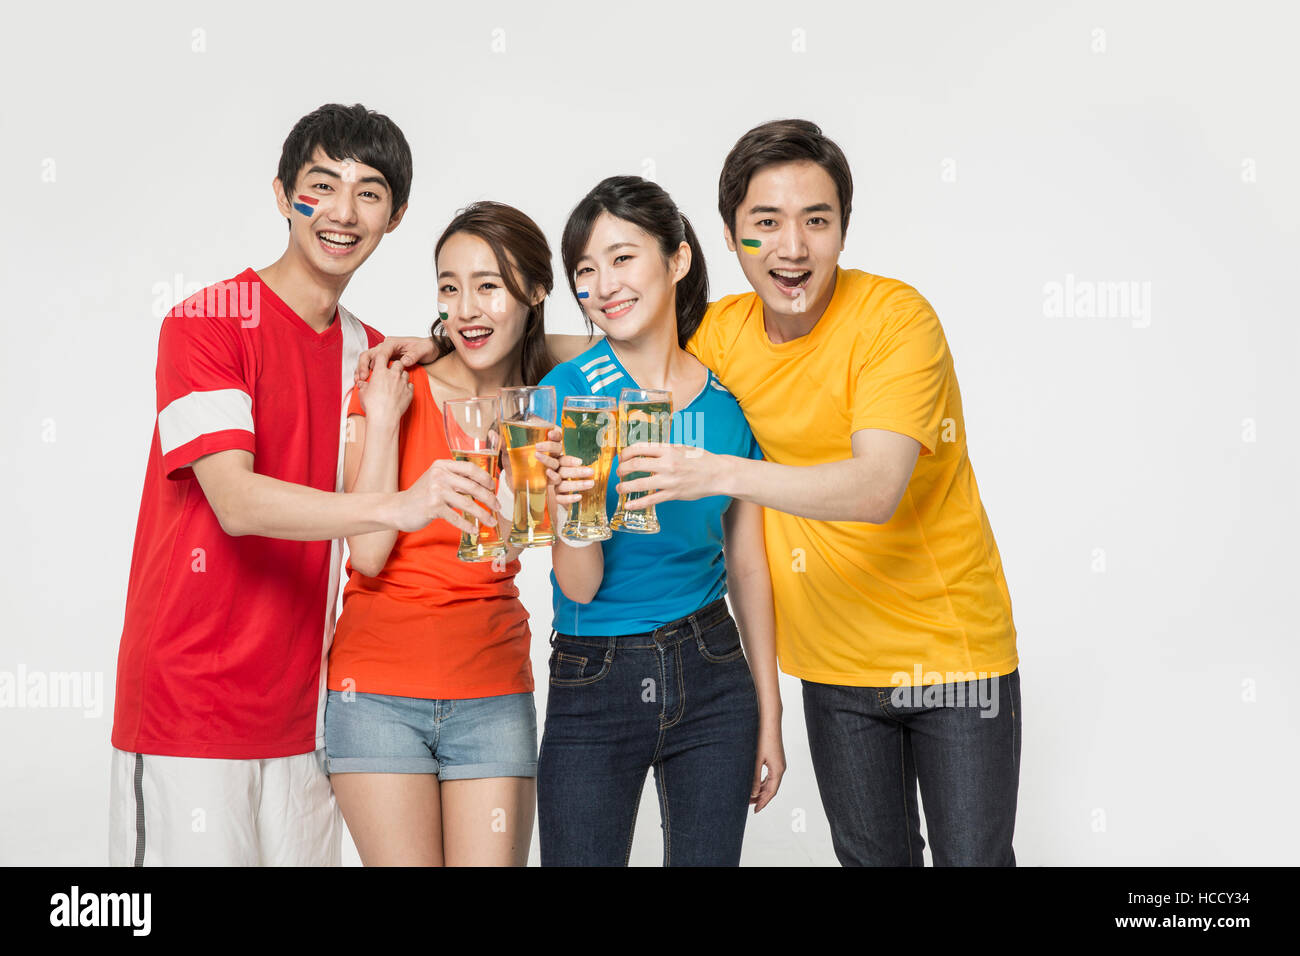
<point>349,132</point>
<point>782,141</point>
<point>644,204</point>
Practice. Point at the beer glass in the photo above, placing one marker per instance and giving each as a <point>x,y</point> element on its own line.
<point>527,414</point>
<point>590,434</point>
<point>474,435</point>
<point>644,414</point>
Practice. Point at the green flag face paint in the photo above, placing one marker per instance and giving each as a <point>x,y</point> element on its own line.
<point>750,245</point>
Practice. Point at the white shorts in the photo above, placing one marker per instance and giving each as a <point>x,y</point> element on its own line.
<point>200,811</point>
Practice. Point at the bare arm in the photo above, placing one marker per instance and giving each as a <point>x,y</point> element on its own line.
<point>416,350</point>
<point>579,567</point>
<point>370,464</point>
<point>248,503</point>
<point>866,487</point>
<point>579,570</point>
<point>749,585</point>
<point>565,347</point>
<point>370,461</point>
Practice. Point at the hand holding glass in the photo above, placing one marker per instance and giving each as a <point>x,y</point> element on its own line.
<point>644,414</point>
<point>527,414</point>
<point>474,435</point>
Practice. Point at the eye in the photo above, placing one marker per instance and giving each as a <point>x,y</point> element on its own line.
<point>618,259</point>
<point>370,194</point>
<point>818,220</point>
<point>582,270</point>
<point>321,186</point>
<point>767,222</point>
<point>488,285</point>
<point>448,288</point>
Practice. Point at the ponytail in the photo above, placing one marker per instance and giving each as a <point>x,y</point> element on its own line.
<point>692,288</point>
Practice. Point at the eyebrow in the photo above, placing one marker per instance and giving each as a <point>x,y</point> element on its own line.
<point>447,274</point>
<point>380,180</point>
<point>816,207</point>
<point>616,246</point>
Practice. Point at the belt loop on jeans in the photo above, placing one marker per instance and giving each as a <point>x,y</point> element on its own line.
<point>553,633</point>
<point>609,650</point>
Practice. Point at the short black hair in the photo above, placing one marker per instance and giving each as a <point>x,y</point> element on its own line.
<point>782,141</point>
<point>349,132</point>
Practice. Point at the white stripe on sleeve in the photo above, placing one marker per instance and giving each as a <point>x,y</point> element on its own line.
<point>596,373</point>
<point>597,386</point>
<point>202,413</point>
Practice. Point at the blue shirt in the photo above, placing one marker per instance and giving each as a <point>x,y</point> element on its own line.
<point>651,579</point>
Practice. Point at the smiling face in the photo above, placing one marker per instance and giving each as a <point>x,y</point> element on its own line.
<point>788,237</point>
<point>486,323</point>
<point>629,287</point>
<point>338,210</point>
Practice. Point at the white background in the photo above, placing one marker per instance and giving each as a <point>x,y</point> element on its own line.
<point>996,148</point>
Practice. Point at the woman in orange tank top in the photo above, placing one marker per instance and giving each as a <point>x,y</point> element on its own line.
<point>430,725</point>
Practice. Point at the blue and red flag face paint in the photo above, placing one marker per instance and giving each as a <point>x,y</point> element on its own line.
<point>306,205</point>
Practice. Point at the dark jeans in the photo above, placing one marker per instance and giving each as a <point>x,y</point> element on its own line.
<point>871,745</point>
<point>679,699</point>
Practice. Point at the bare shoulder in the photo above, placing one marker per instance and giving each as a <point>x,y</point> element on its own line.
<point>439,386</point>
<point>444,383</point>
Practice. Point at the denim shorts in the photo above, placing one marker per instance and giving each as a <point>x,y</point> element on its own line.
<point>455,739</point>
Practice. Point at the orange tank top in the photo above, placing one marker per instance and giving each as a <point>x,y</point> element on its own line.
<point>430,625</point>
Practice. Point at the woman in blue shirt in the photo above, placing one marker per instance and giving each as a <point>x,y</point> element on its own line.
<point>648,669</point>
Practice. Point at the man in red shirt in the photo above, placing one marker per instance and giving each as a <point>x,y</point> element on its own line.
<point>217,726</point>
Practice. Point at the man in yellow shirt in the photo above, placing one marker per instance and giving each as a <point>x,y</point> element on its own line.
<point>890,601</point>
<point>891,604</point>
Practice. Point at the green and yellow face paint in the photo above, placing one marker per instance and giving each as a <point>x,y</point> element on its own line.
<point>751,245</point>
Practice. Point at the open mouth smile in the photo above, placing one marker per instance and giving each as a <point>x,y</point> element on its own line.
<point>475,336</point>
<point>790,281</point>
<point>337,243</point>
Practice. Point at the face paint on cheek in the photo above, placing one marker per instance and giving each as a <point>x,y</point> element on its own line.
<point>583,292</point>
<point>750,245</point>
<point>306,205</point>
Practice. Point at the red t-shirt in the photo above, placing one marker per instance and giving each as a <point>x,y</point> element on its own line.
<point>225,637</point>
<point>430,625</point>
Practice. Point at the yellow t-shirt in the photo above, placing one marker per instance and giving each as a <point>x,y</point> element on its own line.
<point>921,598</point>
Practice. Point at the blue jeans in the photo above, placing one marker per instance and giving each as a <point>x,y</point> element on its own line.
<point>679,699</point>
<point>870,747</point>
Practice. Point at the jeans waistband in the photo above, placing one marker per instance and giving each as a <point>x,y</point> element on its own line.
<point>672,632</point>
